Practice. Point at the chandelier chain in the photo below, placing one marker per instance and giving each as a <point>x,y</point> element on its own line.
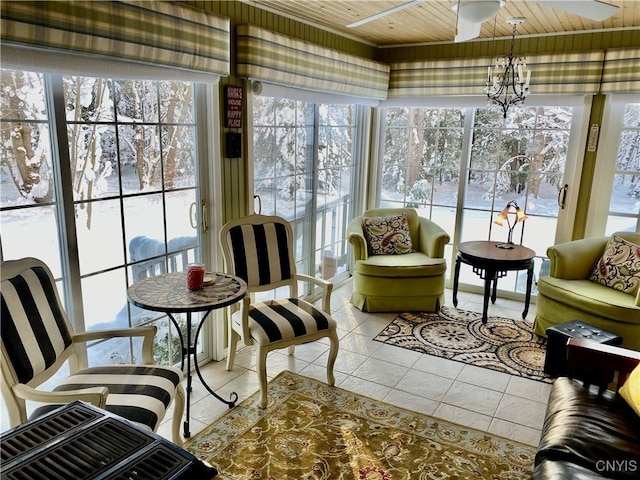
<point>508,84</point>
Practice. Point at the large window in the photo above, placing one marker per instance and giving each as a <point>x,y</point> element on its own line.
<point>460,167</point>
<point>303,171</point>
<point>113,196</point>
<point>421,168</point>
<point>615,198</point>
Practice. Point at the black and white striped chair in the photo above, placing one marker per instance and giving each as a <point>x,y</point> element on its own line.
<point>37,339</point>
<point>259,249</point>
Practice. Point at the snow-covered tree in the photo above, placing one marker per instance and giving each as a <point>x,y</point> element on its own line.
<point>111,124</point>
<point>25,139</point>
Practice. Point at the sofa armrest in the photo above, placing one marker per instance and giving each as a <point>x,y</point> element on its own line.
<point>595,363</point>
<point>433,238</point>
<point>355,236</point>
<point>575,260</point>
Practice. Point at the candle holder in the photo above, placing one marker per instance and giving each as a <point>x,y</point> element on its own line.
<point>519,216</point>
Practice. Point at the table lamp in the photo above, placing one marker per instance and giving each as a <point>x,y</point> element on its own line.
<point>519,216</point>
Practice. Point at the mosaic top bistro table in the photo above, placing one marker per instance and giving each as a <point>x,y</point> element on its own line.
<point>490,263</point>
<point>168,293</point>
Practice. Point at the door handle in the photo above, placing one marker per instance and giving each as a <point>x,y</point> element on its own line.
<point>562,196</point>
<point>257,197</point>
<point>192,216</point>
<point>205,215</point>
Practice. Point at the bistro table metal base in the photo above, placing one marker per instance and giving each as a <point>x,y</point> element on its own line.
<point>191,349</point>
<point>168,293</point>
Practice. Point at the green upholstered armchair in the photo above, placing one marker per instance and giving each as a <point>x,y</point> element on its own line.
<point>568,294</point>
<point>399,283</point>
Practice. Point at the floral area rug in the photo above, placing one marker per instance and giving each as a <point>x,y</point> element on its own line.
<point>501,344</point>
<point>310,431</point>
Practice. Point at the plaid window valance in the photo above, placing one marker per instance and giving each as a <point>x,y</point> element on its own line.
<point>567,73</point>
<point>438,77</point>
<point>282,60</point>
<point>159,33</point>
<point>621,71</point>
<point>571,73</point>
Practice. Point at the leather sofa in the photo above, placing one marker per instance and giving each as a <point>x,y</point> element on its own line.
<point>399,283</point>
<point>590,432</point>
<point>568,294</point>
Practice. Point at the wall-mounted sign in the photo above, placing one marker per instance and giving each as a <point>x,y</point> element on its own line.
<point>233,106</point>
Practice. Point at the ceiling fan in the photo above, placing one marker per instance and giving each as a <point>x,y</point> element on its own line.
<point>473,12</point>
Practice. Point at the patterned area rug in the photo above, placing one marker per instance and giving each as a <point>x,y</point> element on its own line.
<point>312,431</point>
<point>501,344</point>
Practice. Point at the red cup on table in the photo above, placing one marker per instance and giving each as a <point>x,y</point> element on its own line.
<point>195,276</point>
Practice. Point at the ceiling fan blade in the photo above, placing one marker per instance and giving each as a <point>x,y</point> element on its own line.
<point>592,9</point>
<point>467,30</point>
<point>385,13</point>
<point>477,10</point>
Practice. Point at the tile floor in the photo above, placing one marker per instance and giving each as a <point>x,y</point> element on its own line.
<point>491,401</point>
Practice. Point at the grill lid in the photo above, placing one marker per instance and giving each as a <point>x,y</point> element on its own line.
<point>81,442</point>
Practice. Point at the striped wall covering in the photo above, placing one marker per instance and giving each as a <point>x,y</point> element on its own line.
<point>34,329</point>
<point>550,74</point>
<point>621,71</point>
<point>282,60</point>
<point>260,253</point>
<point>149,32</point>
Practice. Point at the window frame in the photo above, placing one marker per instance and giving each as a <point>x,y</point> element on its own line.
<point>208,184</point>
<point>605,169</point>
<point>573,170</point>
<point>361,146</point>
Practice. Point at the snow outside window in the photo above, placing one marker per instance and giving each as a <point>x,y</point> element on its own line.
<point>460,166</point>
<point>304,170</point>
<point>123,186</point>
<point>615,196</point>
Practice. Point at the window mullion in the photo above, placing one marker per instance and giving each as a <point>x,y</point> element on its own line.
<point>361,151</point>
<point>311,208</point>
<point>63,177</point>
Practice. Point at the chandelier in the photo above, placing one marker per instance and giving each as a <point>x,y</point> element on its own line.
<point>508,83</point>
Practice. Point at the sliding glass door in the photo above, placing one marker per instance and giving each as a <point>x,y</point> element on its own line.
<point>615,195</point>
<point>111,197</point>
<point>461,166</point>
<point>303,171</point>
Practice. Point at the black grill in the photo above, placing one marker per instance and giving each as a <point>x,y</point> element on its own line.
<point>81,442</point>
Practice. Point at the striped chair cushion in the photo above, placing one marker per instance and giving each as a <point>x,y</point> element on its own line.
<point>136,392</point>
<point>260,253</point>
<point>284,319</point>
<point>34,329</point>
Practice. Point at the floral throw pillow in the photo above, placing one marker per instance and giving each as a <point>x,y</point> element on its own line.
<point>388,235</point>
<point>619,266</point>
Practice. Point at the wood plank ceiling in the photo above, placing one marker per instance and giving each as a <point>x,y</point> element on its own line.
<point>434,21</point>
